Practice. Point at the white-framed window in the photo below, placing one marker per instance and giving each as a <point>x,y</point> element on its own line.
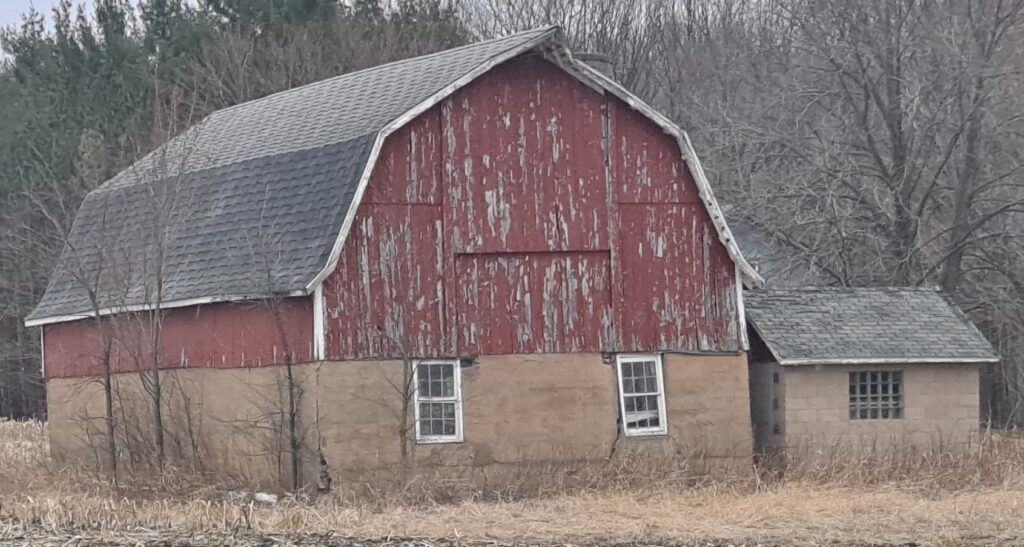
<point>641,394</point>
<point>876,395</point>
<point>438,408</point>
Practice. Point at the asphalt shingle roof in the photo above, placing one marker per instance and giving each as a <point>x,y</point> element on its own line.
<point>252,199</point>
<point>835,325</point>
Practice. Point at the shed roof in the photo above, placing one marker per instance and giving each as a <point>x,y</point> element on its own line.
<point>824,325</point>
<point>258,198</point>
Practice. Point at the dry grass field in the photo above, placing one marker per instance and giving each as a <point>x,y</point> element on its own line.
<point>974,496</point>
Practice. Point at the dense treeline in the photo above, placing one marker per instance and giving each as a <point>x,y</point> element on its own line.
<point>877,142</point>
<point>83,92</point>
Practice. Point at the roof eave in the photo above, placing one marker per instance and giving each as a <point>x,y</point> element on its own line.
<point>50,319</point>
<point>829,361</point>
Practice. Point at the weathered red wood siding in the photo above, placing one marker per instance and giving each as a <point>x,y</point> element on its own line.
<point>214,335</point>
<point>529,213</point>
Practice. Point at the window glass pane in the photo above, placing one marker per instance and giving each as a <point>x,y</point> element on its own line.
<point>447,380</point>
<point>423,376</point>
<point>652,385</point>
<point>641,385</point>
<point>875,395</point>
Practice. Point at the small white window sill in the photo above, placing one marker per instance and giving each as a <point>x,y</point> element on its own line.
<point>438,440</point>
<point>647,433</point>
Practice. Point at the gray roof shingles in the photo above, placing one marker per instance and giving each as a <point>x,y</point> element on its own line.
<point>831,325</point>
<point>251,200</point>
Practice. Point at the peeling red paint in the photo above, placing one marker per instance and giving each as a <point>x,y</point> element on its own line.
<point>225,335</point>
<point>528,213</point>
<point>524,163</point>
<point>533,302</point>
<point>385,296</point>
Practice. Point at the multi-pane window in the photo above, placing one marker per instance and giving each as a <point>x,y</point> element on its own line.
<point>438,401</point>
<point>641,394</point>
<point>876,394</point>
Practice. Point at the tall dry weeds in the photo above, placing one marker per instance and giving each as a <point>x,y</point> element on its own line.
<point>897,496</point>
<point>990,460</point>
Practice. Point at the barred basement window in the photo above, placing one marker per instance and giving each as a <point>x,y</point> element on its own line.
<point>876,394</point>
<point>641,394</point>
<point>438,401</point>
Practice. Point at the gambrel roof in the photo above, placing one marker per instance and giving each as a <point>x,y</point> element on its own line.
<point>258,198</point>
<point>826,325</point>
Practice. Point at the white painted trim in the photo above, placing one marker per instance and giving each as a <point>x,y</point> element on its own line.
<point>42,352</point>
<point>397,124</point>
<point>146,307</point>
<point>750,275</point>
<point>891,361</point>
<point>588,76</point>
<point>662,429</point>
<point>581,71</point>
<point>319,333</point>
<point>741,311</point>
<point>350,215</point>
<point>457,378</point>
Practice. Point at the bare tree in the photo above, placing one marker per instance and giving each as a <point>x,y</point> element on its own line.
<point>265,251</point>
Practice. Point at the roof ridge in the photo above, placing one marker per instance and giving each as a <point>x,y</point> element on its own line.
<point>539,30</point>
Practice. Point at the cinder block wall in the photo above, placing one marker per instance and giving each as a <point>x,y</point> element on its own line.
<point>941,407</point>
<point>516,408</point>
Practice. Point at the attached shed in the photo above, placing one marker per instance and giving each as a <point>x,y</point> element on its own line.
<point>863,366</point>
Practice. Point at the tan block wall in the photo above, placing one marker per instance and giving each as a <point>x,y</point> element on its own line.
<point>941,406</point>
<point>516,408</point>
<point>223,419</point>
<point>708,401</point>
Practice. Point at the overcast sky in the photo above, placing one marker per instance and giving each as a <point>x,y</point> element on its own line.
<point>11,10</point>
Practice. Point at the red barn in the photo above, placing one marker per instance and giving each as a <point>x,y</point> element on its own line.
<point>492,254</point>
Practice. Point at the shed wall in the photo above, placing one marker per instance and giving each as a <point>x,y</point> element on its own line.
<point>941,406</point>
